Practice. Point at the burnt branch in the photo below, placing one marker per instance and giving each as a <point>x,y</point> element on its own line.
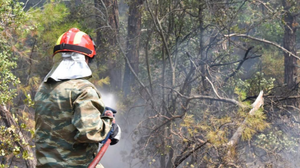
<point>240,64</point>
<point>185,154</point>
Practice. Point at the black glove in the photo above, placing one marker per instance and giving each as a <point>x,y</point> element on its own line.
<point>116,134</point>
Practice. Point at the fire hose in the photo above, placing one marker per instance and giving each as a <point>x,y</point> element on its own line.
<point>106,142</point>
<point>100,154</point>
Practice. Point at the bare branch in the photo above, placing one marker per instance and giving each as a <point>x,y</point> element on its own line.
<point>264,41</point>
<point>161,33</point>
<point>167,121</point>
<point>232,101</point>
<point>213,87</point>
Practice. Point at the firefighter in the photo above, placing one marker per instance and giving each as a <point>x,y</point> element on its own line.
<point>68,108</point>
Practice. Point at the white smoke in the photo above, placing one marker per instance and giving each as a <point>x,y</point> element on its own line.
<point>117,155</point>
<point>109,100</point>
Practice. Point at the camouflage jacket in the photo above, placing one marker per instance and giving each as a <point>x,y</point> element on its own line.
<point>69,124</point>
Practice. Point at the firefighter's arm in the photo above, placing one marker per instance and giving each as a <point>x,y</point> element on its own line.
<point>91,127</point>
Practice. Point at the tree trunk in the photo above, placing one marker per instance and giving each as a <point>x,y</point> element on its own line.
<point>133,40</point>
<point>203,66</point>
<point>289,43</point>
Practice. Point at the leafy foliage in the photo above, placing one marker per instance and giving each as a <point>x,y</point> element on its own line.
<point>277,141</point>
<point>8,79</point>
<point>17,26</point>
<point>255,123</point>
<point>11,16</point>
<point>9,137</point>
<point>12,19</point>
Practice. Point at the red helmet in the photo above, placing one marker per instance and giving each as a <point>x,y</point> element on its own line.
<point>75,40</point>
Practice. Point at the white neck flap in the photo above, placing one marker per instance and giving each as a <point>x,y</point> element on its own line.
<point>73,66</point>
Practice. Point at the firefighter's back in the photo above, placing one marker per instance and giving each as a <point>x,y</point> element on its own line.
<point>55,143</point>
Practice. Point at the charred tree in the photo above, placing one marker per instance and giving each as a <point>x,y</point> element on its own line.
<point>203,59</point>
<point>133,41</point>
<point>289,42</point>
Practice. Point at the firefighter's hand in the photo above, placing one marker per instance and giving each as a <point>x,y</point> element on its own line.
<point>109,113</point>
<point>116,135</point>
